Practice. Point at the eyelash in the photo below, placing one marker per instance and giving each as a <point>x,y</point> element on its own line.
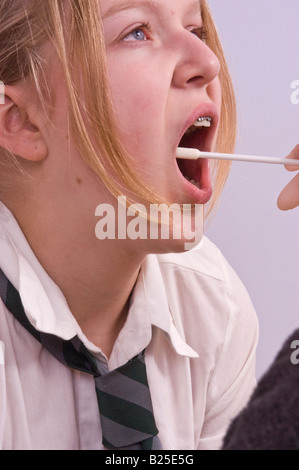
<point>145,27</point>
<point>200,32</point>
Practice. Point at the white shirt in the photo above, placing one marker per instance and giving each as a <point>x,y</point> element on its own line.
<point>189,310</point>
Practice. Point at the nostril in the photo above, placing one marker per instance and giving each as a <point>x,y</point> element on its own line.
<point>194,80</point>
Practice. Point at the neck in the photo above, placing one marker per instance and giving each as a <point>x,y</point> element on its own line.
<point>97,285</point>
<point>98,292</point>
<point>96,277</point>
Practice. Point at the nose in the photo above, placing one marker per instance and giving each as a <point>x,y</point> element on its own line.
<point>196,64</point>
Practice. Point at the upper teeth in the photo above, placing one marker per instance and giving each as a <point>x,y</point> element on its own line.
<point>203,122</point>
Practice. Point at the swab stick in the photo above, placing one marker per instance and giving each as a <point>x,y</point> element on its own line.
<point>194,154</point>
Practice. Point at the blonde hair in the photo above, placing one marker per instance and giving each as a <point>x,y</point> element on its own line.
<point>25,25</point>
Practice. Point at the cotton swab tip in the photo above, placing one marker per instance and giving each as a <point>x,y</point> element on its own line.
<point>188,154</point>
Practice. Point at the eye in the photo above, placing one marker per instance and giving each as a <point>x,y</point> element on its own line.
<point>137,34</point>
<point>201,33</point>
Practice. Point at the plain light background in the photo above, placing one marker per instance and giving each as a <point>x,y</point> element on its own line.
<point>261,43</point>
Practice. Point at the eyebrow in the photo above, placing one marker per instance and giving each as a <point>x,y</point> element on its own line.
<point>127,5</point>
<point>131,4</point>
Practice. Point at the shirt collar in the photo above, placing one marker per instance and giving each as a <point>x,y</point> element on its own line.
<point>150,308</point>
<point>48,310</point>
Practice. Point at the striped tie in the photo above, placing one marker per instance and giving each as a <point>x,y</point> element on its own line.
<point>123,394</point>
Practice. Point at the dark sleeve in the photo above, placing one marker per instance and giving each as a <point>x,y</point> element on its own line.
<point>271,419</point>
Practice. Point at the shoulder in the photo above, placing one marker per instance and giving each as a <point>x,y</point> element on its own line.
<point>205,259</point>
<point>204,274</point>
<point>205,294</point>
<point>213,312</point>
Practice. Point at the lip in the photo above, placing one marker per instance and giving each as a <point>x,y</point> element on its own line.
<point>199,168</point>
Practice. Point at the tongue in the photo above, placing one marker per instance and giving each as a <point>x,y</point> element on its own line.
<point>190,169</point>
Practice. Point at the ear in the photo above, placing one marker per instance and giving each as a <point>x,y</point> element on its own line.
<point>20,128</point>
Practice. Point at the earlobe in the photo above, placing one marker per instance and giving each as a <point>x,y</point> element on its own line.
<point>18,133</point>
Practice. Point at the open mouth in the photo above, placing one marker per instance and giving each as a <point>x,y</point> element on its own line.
<point>199,136</point>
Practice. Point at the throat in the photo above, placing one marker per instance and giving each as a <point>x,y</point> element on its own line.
<point>103,330</point>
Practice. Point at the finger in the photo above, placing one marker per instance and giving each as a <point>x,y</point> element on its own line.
<point>289,197</point>
<point>293,155</point>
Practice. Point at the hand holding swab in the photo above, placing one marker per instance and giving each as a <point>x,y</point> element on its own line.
<point>194,154</point>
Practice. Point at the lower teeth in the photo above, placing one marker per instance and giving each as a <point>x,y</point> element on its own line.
<point>193,182</point>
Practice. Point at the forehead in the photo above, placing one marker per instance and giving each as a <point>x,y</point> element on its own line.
<point>110,7</point>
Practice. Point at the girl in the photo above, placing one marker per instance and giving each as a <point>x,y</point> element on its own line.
<point>98,96</point>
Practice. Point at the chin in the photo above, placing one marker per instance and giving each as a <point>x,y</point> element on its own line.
<point>183,238</point>
<point>181,246</point>
<point>160,247</point>
<point>183,232</point>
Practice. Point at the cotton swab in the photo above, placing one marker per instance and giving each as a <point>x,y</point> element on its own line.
<point>194,154</point>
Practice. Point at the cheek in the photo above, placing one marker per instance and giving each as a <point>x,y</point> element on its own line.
<point>138,102</point>
<point>133,101</point>
<point>136,89</point>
